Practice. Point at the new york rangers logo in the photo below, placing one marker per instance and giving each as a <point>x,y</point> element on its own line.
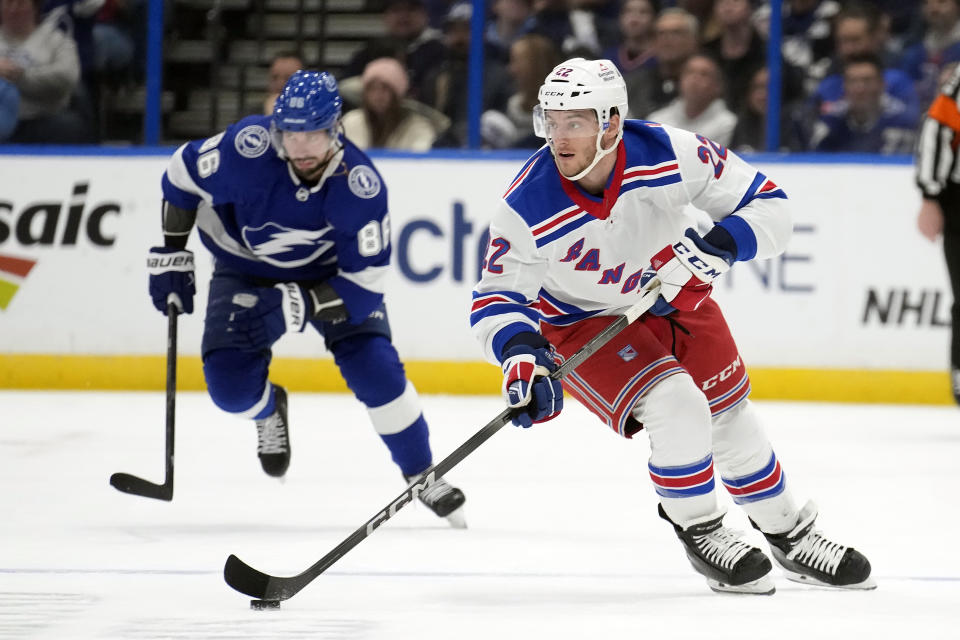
<point>628,353</point>
<point>284,247</point>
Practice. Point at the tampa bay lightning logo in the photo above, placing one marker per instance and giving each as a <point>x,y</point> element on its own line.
<point>252,141</point>
<point>285,247</point>
<point>364,182</point>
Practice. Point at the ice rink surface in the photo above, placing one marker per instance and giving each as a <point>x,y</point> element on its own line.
<point>563,538</point>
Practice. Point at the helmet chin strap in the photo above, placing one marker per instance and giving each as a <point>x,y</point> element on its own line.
<point>597,157</point>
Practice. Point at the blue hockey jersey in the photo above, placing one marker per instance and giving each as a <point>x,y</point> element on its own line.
<point>257,217</point>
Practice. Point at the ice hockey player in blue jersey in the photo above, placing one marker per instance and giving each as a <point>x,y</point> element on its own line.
<point>296,218</point>
<point>594,217</point>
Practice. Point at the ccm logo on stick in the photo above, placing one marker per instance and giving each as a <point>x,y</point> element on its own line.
<point>412,494</point>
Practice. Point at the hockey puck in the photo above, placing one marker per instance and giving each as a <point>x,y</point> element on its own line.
<point>264,604</point>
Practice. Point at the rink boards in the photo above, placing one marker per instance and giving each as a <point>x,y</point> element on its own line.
<point>857,308</point>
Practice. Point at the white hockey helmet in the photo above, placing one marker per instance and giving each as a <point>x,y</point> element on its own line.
<point>583,84</point>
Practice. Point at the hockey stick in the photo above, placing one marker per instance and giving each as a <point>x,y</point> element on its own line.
<point>252,582</point>
<point>133,484</point>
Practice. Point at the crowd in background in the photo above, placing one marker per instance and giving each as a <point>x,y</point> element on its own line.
<point>55,56</point>
<point>857,75</point>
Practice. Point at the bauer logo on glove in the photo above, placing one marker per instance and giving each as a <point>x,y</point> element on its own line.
<point>171,278</point>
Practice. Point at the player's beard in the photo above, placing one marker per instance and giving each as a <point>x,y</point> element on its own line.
<point>310,172</point>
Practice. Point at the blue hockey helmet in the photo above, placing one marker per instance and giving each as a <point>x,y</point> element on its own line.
<point>309,101</point>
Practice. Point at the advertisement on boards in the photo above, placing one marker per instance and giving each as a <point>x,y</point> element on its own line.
<point>857,288</point>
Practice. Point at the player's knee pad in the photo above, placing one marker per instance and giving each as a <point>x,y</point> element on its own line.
<point>371,368</point>
<point>237,381</point>
<point>676,416</point>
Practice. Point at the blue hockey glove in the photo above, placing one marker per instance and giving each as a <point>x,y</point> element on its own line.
<point>686,270</point>
<point>171,273</point>
<point>525,384</point>
<point>260,315</point>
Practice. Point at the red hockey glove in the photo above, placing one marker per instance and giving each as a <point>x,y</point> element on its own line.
<point>686,270</point>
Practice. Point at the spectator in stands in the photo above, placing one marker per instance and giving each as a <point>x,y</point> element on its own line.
<point>807,39</point>
<point>41,62</point>
<point>593,23</point>
<point>702,10</point>
<point>902,23</point>
<point>408,38</point>
<point>738,48</point>
<point>750,134</point>
<point>858,30</point>
<point>700,106</point>
<point>283,65</point>
<point>940,45</point>
<point>532,58</point>
<point>386,120</point>
<point>9,109</point>
<point>635,47</point>
<point>447,87</point>
<point>867,119</point>
<point>655,86</point>
<point>578,27</point>
<point>77,19</point>
<point>114,46</point>
<point>437,11</point>
<point>511,19</point>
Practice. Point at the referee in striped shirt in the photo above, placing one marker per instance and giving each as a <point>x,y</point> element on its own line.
<point>938,176</point>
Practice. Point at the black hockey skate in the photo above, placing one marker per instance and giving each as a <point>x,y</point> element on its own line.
<point>955,384</point>
<point>809,558</point>
<point>273,438</point>
<point>729,564</point>
<point>443,499</point>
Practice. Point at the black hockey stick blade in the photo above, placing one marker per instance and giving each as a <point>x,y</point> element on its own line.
<point>248,580</point>
<point>252,582</point>
<point>140,487</point>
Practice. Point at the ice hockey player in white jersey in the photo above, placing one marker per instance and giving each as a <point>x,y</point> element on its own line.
<point>296,218</point>
<point>592,218</point>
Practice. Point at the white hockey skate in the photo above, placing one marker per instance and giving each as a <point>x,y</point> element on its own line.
<point>729,564</point>
<point>443,499</point>
<point>273,437</point>
<point>809,558</point>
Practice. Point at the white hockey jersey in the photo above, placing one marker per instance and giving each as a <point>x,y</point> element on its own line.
<point>558,254</point>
